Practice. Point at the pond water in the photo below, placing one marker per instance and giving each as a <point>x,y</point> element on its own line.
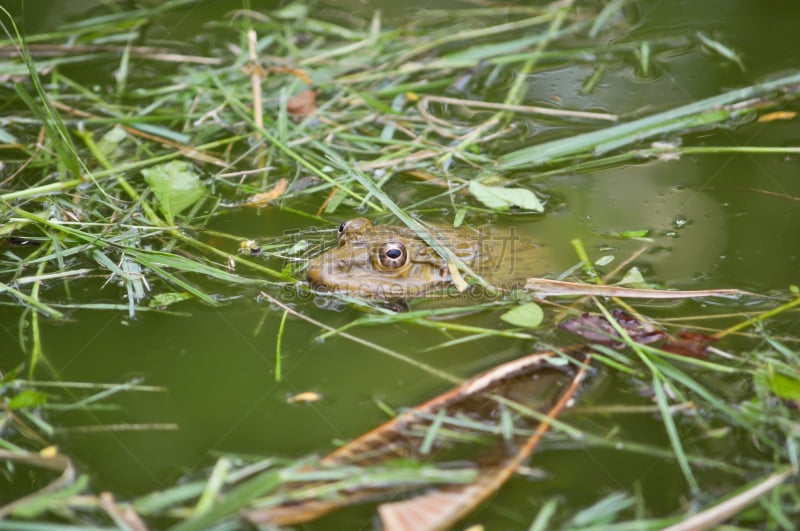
<point>721,220</point>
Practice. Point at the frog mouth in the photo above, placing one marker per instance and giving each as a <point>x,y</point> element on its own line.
<point>385,284</point>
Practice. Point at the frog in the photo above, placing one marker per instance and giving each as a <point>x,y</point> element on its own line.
<point>394,262</point>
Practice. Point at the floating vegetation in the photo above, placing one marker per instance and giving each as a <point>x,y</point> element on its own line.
<point>114,190</point>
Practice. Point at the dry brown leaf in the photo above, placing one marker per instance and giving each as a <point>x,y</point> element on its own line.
<point>418,512</point>
<point>423,175</point>
<point>297,72</point>
<point>688,343</point>
<point>532,382</point>
<point>264,198</point>
<point>440,509</point>
<point>302,104</point>
<point>597,329</point>
<point>456,277</point>
<point>777,115</point>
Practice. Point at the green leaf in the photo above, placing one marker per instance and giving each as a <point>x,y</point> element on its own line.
<point>110,141</point>
<point>784,386</point>
<point>630,234</point>
<point>176,186</point>
<point>499,198</point>
<point>292,11</point>
<point>474,54</point>
<point>634,279</point>
<point>6,137</point>
<point>529,315</point>
<point>27,398</point>
<point>162,300</point>
<point>163,132</point>
<point>604,260</point>
<point>459,219</point>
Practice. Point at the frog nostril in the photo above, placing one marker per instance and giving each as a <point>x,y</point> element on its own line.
<point>345,265</point>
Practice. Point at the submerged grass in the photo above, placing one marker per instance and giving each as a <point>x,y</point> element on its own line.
<point>74,206</point>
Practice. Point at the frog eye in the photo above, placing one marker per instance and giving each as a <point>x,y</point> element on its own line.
<point>342,227</point>
<point>393,255</point>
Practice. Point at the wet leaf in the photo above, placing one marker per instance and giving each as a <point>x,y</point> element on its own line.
<point>529,315</point>
<point>458,426</point>
<point>604,260</point>
<point>634,279</point>
<point>597,329</point>
<point>630,234</point>
<point>499,198</point>
<point>302,104</point>
<point>175,185</point>
<point>688,343</point>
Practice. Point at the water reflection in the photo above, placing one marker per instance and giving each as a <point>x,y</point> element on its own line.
<point>688,226</point>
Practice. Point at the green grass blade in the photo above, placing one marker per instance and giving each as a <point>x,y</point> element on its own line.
<point>703,112</point>
<point>672,433</point>
<point>233,501</point>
